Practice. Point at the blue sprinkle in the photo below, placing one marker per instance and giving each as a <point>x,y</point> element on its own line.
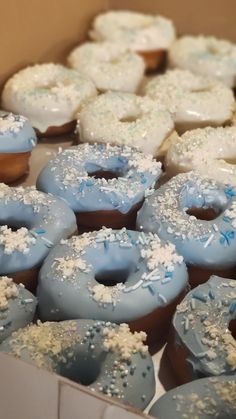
<point>226,219</point>
<point>40,231</point>
<point>168,274</point>
<point>204,317</point>
<point>230,192</point>
<point>204,238</point>
<point>143,180</point>
<point>82,186</point>
<point>199,296</point>
<point>211,294</point>
<point>152,289</point>
<point>106,244</point>
<point>32,141</point>
<point>232,307</point>
<point>89,182</point>
<point>226,237</point>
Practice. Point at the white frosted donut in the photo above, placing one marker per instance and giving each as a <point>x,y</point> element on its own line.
<point>207,56</point>
<point>139,32</point>
<point>47,94</point>
<point>124,118</point>
<point>110,66</point>
<point>208,151</point>
<point>193,100</point>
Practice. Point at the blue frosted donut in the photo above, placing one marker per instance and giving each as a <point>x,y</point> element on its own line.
<point>202,399</point>
<point>38,221</point>
<point>203,331</point>
<point>17,307</point>
<point>16,134</point>
<point>71,176</point>
<point>204,243</point>
<point>103,356</point>
<point>117,275</point>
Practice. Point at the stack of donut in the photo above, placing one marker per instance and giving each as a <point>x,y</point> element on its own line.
<point>130,234</point>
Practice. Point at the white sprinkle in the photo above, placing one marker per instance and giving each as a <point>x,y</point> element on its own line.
<point>208,242</point>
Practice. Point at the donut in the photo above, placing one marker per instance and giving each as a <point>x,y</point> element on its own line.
<point>148,35</point>
<point>124,118</point>
<point>208,151</point>
<point>207,56</point>
<point>116,275</point>
<point>31,222</point>
<point>194,101</point>
<point>103,356</point>
<point>203,399</point>
<point>103,185</point>
<point>203,332</point>
<point>110,66</point>
<point>17,307</point>
<point>17,139</point>
<point>198,216</point>
<point>49,95</point>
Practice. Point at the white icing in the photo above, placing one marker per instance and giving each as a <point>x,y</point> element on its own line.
<point>206,151</point>
<point>190,97</point>
<point>138,31</point>
<point>123,342</point>
<point>19,240</point>
<point>124,118</point>
<point>47,94</point>
<point>207,56</point>
<point>110,66</point>
<point>11,123</point>
<point>8,290</point>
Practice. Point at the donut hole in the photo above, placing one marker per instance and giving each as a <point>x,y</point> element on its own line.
<point>212,49</point>
<point>15,225</point>
<point>130,118</point>
<point>206,214</point>
<point>232,328</point>
<point>229,160</point>
<point>104,174</point>
<point>112,277</point>
<point>84,371</point>
<point>200,89</point>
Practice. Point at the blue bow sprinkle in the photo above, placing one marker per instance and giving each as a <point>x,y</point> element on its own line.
<point>230,192</point>
<point>226,237</point>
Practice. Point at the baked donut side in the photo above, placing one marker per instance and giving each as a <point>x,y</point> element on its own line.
<point>107,358</point>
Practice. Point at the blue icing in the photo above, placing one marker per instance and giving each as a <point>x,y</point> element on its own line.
<point>210,344</point>
<point>202,243</point>
<point>71,176</point>
<point>93,353</point>
<point>40,221</point>
<point>131,274</point>
<point>16,134</point>
<point>203,399</point>
<point>19,309</point>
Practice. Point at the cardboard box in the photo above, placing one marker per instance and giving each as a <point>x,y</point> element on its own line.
<point>36,31</point>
